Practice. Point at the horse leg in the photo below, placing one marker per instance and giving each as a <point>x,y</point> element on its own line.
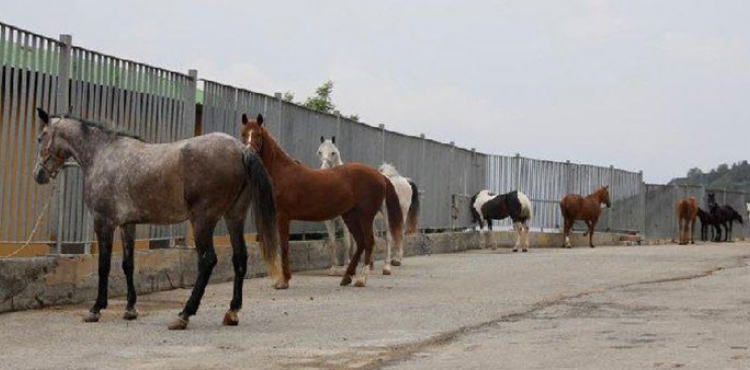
<point>283,281</point>
<point>128,266</point>
<point>203,232</point>
<point>490,236</point>
<point>352,222</point>
<point>525,247</point>
<point>388,241</point>
<point>348,245</point>
<point>726,231</point>
<point>331,229</point>
<point>568,227</point>
<point>518,229</point>
<point>692,232</point>
<point>592,225</point>
<point>368,237</point>
<point>236,229</point>
<point>105,232</point>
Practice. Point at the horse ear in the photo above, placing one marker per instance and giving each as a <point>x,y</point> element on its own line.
<point>606,187</point>
<point>259,119</point>
<point>43,116</point>
<point>322,139</point>
<point>244,119</point>
<point>333,139</point>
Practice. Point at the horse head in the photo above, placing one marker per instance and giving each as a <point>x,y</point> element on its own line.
<point>604,195</point>
<point>711,199</point>
<point>329,153</point>
<point>52,148</point>
<point>254,135</point>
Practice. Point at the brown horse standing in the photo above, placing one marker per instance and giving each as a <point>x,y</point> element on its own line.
<point>353,191</point>
<point>687,210</point>
<point>575,207</point>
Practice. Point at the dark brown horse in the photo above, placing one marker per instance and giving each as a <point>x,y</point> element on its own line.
<point>128,181</point>
<point>353,191</point>
<point>687,211</point>
<point>588,209</point>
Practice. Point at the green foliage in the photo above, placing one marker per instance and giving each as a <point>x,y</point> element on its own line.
<point>288,97</point>
<point>321,101</point>
<point>734,177</point>
<point>354,117</point>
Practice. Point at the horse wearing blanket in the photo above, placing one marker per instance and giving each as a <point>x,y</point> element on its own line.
<point>486,207</point>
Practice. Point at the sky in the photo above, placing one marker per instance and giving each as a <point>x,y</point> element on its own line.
<point>660,85</point>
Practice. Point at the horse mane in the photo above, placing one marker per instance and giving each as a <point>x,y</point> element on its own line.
<point>86,124</point>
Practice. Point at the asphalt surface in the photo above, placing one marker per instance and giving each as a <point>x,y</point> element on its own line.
<point>655,307</point>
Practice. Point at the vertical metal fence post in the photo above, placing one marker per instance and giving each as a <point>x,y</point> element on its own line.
<point>382,142</point>
<point>338,124</point>
<point>450,185</point>
<point>62,105</point>
<point>675,225</point>
<point>516,177</point>
<point>611,212</point>
<point>642,205</point>
<point>60,207</point>
<point>280,118</point>
<point>192,97</point>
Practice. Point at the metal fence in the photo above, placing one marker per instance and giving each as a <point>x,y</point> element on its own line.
<point>547,182</point>
<point>298,130</point>
<point>37,71</point>
<point>160,105</point>
<point>661,211</point>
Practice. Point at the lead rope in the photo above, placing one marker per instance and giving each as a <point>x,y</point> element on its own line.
<point>36,225</point>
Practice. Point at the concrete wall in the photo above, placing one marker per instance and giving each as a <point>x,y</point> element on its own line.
<point>27,283</point>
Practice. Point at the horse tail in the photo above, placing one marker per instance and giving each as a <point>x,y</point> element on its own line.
<point>393,208</point>
<point>526,209</point>
<point>263,206</point>
<point>475,216</point>
<point>413,214</point>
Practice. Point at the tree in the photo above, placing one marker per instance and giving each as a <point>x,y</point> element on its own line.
<point>694,172</point>
<point>321,101</point>
<point>354,117</point>
<point>288,97</point>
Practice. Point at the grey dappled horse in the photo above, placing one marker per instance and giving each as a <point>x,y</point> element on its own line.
<point>128,181</point>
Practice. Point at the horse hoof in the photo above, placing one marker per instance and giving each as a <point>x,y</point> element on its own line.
<point>231,318</point>
<point>346,280</point>
<point>386,271</point>
<point>360,283</point>
<point>592,246</point>
<point>92,317</point>
<point>281,284</point>
<point>130,314</point>
<point>524,250</point>
<point>515,250</point>
<point>395,262</point>
<point>178,324</point>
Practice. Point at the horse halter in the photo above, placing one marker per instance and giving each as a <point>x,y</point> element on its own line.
<point>48,154</point>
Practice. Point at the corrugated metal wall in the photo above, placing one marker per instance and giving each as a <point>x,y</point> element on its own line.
<point>547,182</point>
<point>159,105</point>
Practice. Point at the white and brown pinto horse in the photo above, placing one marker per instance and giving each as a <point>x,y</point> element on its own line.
<point>408,196</point>
<point>486,207</point>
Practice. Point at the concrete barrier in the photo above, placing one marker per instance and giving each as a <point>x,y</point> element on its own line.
<point>27,283</point>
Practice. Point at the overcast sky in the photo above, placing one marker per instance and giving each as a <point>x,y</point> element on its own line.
<point>659,85</point>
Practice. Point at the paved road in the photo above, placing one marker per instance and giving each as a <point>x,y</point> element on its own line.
<point>659,307</point>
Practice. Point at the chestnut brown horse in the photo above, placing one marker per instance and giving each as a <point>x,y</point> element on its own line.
<point>587,209</point>
<point>687,211</point>
<point>353,191</point>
